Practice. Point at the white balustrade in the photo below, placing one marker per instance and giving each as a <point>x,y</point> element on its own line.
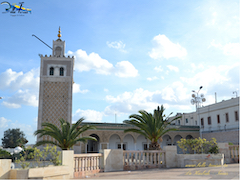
<point>86,162</point>
<point>143,159</point>
<point>234,151</point>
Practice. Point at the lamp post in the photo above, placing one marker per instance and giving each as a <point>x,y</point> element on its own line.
<point>197,100</point>
<point>235,92</point>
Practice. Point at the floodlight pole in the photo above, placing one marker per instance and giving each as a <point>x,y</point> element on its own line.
<point>197,102</point>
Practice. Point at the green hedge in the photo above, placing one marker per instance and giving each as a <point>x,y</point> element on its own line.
<point>5,154</point>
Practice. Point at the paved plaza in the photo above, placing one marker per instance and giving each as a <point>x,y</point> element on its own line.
<point>230,171</point>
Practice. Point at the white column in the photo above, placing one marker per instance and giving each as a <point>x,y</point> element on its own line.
<point>107,145</point>
<point>135,146</point>
<point>121,145</point>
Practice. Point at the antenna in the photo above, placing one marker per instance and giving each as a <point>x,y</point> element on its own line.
<point>42,41</point>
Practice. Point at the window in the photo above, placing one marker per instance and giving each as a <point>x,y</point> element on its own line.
<point>227,119</point>
<point>202,121</point>
<point>51,73</point>
<point>236,116</point>
<point>195,122</point>
<point>178,122</point>
<point>186,120</point>
<point>124,147</point>
<point>145,147</point>
<point>61,71</point>
<point>209,120</point>
<point>218,119</point>
<point>119,146</point>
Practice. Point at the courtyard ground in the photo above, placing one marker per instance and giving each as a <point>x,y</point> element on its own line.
<point>231,171</point>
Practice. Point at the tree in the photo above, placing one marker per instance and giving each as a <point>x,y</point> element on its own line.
<point>152,126</point>
<point>66,136</point>
<point>13,138</point>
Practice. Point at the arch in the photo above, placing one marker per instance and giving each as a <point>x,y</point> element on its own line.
<point>189,137</point>
<point>61,72</point>
<point>93,146</point>
<point>128,142</point>
<point>114,141</point>
<point>51,72</point>
<point>142,143</point>
<point>167,140</point>
<point>58,51</point>
<point>177,138</point>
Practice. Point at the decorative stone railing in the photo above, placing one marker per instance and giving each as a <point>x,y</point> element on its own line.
<point>86,164</point>
<point>133,160</point>
<point>234,153</point>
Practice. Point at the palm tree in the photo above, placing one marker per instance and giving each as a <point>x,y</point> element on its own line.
<point>152,126</point>
<point>66,136</point>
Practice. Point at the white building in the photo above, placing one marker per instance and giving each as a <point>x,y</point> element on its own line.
<point>219,120</point>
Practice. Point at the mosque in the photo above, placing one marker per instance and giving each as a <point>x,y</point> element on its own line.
<point>55,102</point>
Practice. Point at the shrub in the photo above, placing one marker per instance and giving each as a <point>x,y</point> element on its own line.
<point>198,146</point>
<point>5,154</point>
<point>39,157</point>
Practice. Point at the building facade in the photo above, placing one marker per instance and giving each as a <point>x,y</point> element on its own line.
<point>56,81</point>
<point>219,120</point>
<point>112,136</point>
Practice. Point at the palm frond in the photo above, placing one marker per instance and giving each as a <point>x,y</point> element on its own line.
<point>152,126</point>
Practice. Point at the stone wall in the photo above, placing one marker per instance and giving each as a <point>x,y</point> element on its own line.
<point>199,160</point>
<point>112,160</point>
<point>223,136</point>
<point>5,167</point>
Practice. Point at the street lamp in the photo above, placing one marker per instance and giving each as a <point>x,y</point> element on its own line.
<point>197,100</point>
<point>0,97</point>
<point>235,92</point>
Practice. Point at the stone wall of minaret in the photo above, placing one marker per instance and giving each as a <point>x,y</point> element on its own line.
<point>56,83</point>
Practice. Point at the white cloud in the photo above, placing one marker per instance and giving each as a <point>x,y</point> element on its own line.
<point>153,78</point>
<point>125,69</point>
<point>94,62</point>
<point>164,48</point>
<point>76,89</point>
<point>131,102</point>
<point>89,115</point>
<point>117,45</point>
<point>230,49</point>
<point>173,68</point>
<point>22,87</point>
<point>221,79</point>
<point>4,122</point>
<point>209,77</point>
<point>22,97</point>
<point>158,69</point>
<point>14,81</point>
<point>11,105</point>
<point>176,95</point>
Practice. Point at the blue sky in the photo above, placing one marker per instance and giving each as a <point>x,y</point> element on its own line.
<point>130,55</point>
